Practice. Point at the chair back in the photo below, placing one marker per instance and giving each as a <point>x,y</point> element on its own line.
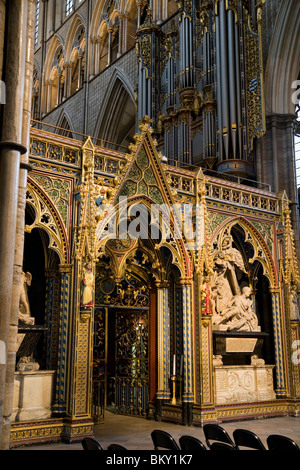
<point>221,446</point>
<point>215,432</point>
<point>191,443</point>
<point>245,438</point>
<point>116,447</point>
<point>88,443</point>
<point>163,440</point>
<point>279,442</point>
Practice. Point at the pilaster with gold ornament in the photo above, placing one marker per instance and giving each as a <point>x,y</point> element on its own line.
<point>81,324</point>
<point>147,50</point>
<point>163,341</point>
<point>188,343</point>
<point>290,275</point>
<point>204,270</point>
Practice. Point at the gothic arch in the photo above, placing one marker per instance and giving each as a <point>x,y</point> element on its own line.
<point>55,44</point>
<point>64,122</point>
<point>283,62</point>
<point>75,27</point>
<point>116,120</point>
<point>261,251</point>
<point>180,257</point>
<point>47,218</point>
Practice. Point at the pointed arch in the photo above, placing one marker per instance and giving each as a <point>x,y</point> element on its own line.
<point>64,123</point>
<point>56,43</point>
<point>76,26</point>
<point>261,251</point>
<point>116,120</point>
<point>174,244</point>
<point>96,17</point>
<point>47,218</point>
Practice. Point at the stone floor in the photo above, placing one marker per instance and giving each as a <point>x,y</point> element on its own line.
<point>135,433</point>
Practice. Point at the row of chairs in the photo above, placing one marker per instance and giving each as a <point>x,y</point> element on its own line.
<point>216,439</point>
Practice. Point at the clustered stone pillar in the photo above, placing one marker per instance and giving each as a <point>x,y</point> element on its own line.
<point>17,74</point>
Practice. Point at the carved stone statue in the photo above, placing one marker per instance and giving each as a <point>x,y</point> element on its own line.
<point>87,286</point>
<point>239,314</point>
<point>221,292</point>
<point>24,307</point>
<point>233,258</point>
<point>294,307</point>
<point>27,364</point>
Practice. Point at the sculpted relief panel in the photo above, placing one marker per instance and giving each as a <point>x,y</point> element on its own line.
<point>231,304</point>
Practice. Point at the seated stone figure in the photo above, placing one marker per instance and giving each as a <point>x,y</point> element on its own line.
<point>239,315</point>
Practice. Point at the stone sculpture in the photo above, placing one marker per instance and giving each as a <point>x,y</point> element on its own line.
<point>24,307</point>
<point>231,306</point>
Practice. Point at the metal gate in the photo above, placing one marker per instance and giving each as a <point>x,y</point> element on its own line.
<point>131,362</point>
<point>121,350</point>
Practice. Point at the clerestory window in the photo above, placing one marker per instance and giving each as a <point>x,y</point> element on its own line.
<point>69,7</point>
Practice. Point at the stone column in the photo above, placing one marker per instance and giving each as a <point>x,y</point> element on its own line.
<point>120,35</point>
<point>124,41</point>
<point>163,341</point>
<point>281,388</point>
<point>19,244</point>
<point>48,91</point>
<point>97,55</point>
<point>11,148</point>
<point>110,30</point>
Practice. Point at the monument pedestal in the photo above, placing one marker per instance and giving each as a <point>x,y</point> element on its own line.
<point>239,374</point>
<point>33,388</point>
<point>33,393</point>
<point>238,384</point>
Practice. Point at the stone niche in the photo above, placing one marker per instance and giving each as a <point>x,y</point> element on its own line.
<point>240,375</point>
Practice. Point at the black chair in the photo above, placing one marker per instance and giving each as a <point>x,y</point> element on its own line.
<point>88,443</point>
<point>215,432</point>
<point>116,447</point>
<point>219,446</point>
<point>282,443</point>
<point>191,443</point>
<point>245,438</point>
<point>163,440</point>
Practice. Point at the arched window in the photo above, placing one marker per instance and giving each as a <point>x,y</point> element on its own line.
<point>35,95</point>
<point>132,20</point>
<point>103,52</point>
<point>69,7</point>
<point>54,83</point>
<point>37,17</point>
<point>75,73</point>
